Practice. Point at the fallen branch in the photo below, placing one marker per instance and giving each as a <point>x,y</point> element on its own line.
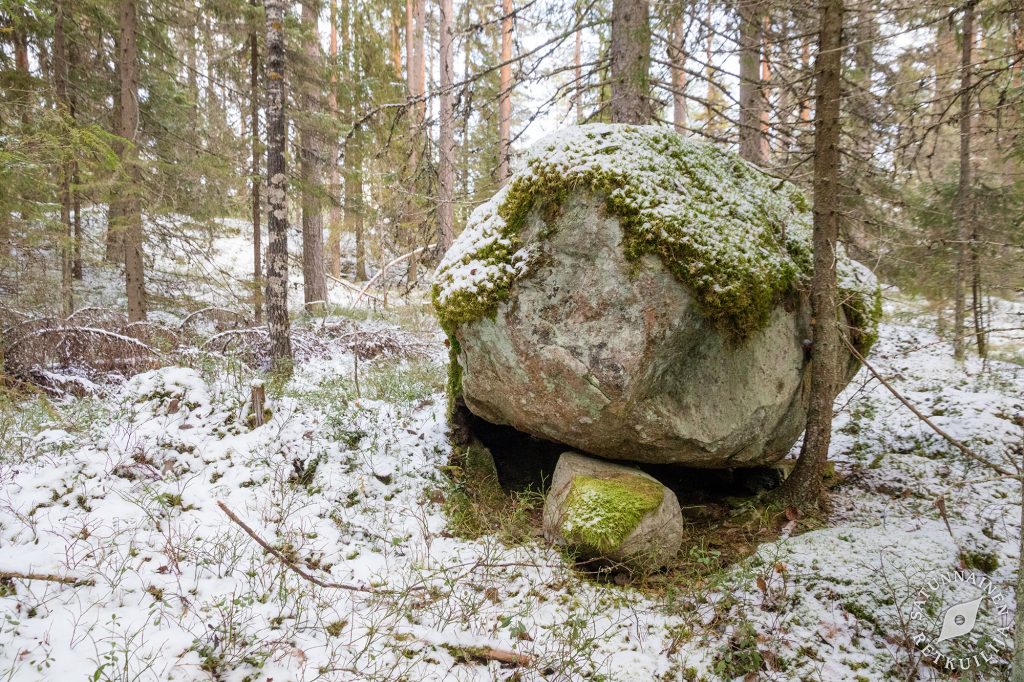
<point>384,269</point>
<point>47,577</point>
<point>484,653</point>
<point>294,566</point>
<point>351,286</point>
<point>932,425</point>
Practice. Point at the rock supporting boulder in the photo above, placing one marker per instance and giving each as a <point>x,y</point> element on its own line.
<point>640,297</point>
<point>608,511</point>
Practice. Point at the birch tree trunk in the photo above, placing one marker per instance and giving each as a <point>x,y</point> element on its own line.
<point>314,284</point>
<point>630,62</point>
<point>803,488</point>
<point>963,198</point>
<point>128,67</point>
<point>277,193</point>
<point>446,135</point>
<point>505,93</point>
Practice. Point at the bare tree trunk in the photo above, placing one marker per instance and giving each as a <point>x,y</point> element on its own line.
<point>415,32</point>
<point>277,193</point>
<point>709,72</point>
<point>505,93</point>
<point>311,149</point>
<point>803,488</point>
<point>396,42</point>
<point>630,62</point>
<point>76,195</point>
<point>963,199</point>
<point>60,81</point>
<point>354,222</point>
<point>353,150</point>
<point>128,66</point>
<point>1017,667</point>
<point>22,68</point>
<point>76,205</point>
<point>677,56</point>
<point>751,101</point>
<point>766,77</point>
<point>805,62</point>
<point>114,239</point>
<point>334,222</point>
<point>578,73</point>
<point>254,124</point>
<point>977,293</point>
<point>446,135</point>
<point>1017,79</point>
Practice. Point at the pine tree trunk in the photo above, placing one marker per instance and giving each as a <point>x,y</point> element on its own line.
<point>353,149</point>
<point>803,488</point>
<point>416,81</point>
<point>420,46</point>
<point>354,222</point>
<point>114,238</point>
<point>396,42</point>
<point>22,68</point>
<point>254,140</point>
<point>751,100</point>
<point>963,199</point>
<point>128,66</point>
<point>76,195</point>
<point>505,93</point>
<point>60,81</point>
<point>277,193</point>
<point>446,135</point>
<point>310,154</point>
<point>677,57</point>
<point>334,221</point>
<point>630,62</point>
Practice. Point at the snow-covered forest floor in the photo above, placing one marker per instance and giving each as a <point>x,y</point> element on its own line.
<point>349,480</point>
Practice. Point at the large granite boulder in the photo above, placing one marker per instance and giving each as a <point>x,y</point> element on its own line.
<point>641,297</point>
<point>611,512</point>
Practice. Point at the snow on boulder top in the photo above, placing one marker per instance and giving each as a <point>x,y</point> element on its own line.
<point>738,238</point>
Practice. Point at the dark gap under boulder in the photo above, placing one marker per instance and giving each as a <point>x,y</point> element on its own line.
<point>525,462</point>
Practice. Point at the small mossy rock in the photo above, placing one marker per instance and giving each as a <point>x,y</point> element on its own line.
<point>612,512</point>
<point>641,297</point>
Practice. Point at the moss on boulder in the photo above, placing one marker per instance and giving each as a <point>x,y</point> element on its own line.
<point>602,512</point>
<point>738,238</point>
<point>608,511</point>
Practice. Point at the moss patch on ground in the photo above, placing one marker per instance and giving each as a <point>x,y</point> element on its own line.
<point>600,513</point>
